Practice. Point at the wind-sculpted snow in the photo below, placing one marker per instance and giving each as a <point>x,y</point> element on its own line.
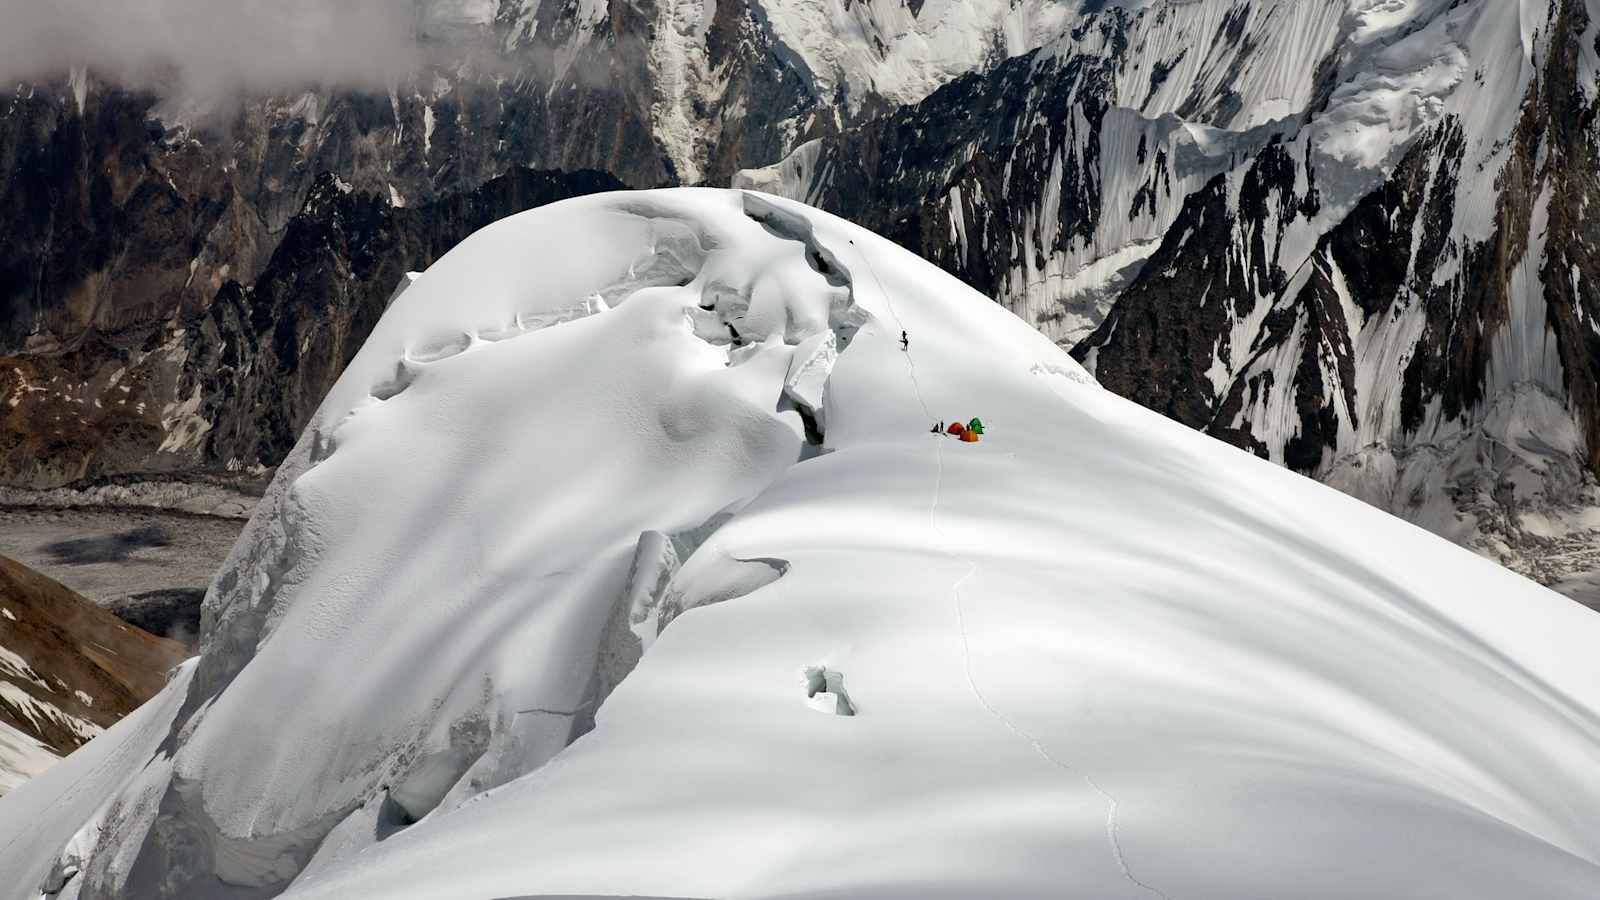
<point>668,600</point>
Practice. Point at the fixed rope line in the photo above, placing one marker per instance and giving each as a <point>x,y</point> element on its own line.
<point>1113,834</point>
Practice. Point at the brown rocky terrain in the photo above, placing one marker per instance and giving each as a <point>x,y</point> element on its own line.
<point>69,669</point>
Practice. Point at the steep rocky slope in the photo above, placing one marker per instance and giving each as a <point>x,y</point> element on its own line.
<point>1432,346</point>
<point>68,670</point>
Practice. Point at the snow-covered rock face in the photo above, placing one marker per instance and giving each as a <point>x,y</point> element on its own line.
<point>656,470</point>
<point>899,52</point>
<point>1096,140</point>
<point>1404,308</point>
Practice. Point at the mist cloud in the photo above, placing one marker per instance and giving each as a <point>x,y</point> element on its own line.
<point>209,50</point>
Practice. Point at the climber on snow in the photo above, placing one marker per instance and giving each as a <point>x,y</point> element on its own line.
<point>905,342</point>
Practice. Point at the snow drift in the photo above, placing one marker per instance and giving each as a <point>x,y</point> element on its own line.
<point>622,561</point>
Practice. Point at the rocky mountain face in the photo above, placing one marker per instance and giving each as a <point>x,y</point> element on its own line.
<point>1348,236</point>
<point>68,670</point>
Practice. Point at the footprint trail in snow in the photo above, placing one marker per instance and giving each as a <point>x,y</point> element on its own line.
<point>946,544</point>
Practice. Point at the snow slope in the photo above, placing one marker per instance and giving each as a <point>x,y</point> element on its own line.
<point>21,758</point>
<point>651,471</point>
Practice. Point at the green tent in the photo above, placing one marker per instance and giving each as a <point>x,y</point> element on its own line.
<point>975,426</point>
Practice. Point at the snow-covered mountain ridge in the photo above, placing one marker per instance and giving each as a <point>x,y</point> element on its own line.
<point>621,561</point>
<point>1344,235</point>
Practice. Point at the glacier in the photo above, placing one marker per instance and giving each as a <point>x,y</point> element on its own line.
<point>622,561</point>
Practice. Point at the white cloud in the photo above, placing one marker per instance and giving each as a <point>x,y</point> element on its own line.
<point>212,49</point>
